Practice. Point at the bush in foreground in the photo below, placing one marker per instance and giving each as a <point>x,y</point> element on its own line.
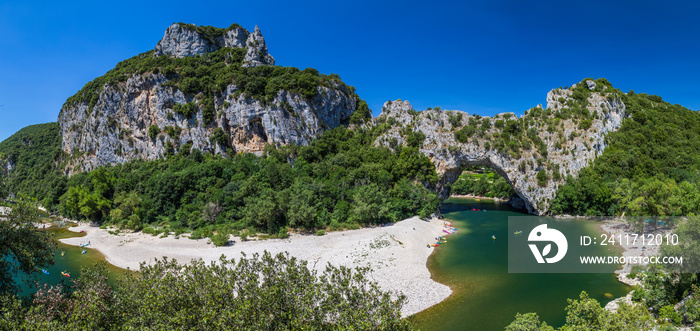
<point>258,293</point>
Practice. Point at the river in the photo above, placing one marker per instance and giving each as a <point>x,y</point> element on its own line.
<point>486,296</point>
<point>69,259</point>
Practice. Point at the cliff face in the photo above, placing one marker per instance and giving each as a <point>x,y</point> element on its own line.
<point>183,40</point>
<point>563,145</point>
<point>138,117</point>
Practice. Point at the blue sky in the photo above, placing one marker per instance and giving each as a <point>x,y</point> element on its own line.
<point>482,57</point>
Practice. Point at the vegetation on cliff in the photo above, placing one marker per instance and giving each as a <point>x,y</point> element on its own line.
<point>651,166</point>
<point>207,76</point>
<point>340,180</point>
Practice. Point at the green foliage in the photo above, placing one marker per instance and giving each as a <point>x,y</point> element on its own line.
<point>455,118</point>
<point>339,177</point>
<point>528,322</point>
<point>219,137</point>
<point>188,110</point>
<point>482,182</point>
<point>670,315</point>
<point>257,293</point>
<point>35,155</point>
<point>153,131</point>
<point>542,178</point>
<point>220,239</point>
<point>586,313</point>
<point>23,249</point>
<point>415,138</point>
<point>207,76</point>
<point>320,232</point>
<point>362,114</point>
<point>650,167</point>
<point>173,132</point>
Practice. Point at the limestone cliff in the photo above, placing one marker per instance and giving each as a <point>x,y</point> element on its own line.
<point>552,143</point>
<point>195,90</point>
<point>183,40</point>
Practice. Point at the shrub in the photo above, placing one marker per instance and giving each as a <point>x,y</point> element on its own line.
<point>187,110</point>
<point>542,178</point>
<point>585,124</point>
<point>219,137</point>
<point>455,119</point>
<point>220,239</point>
<point>320,232</point>
<point>153,131</point>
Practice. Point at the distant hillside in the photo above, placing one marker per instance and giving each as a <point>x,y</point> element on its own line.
<point>30,161</point>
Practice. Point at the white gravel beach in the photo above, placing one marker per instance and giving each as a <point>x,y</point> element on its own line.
<point>396,253</point>
<point>632,248</point>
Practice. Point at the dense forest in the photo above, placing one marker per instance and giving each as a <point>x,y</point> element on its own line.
<point>339,181</point>
<point>650,166</point>
<point>33,155</point>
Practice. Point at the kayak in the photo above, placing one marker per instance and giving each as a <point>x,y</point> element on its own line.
<point>44,271</point>
<point>65,274</point>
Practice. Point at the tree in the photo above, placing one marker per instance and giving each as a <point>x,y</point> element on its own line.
<point>22,247</point>
<point>370,204</point>
<point>153,131</point>
<point>264,292</point>
<point>528,322</point>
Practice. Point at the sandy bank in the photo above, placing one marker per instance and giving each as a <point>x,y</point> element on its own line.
<point>631,248</point>
<point>397,254</point>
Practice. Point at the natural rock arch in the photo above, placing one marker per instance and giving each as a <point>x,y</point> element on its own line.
<point>547,141</point>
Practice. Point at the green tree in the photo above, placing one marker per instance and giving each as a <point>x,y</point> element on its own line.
<point>153,131</point>
<point>370,204</point>
<point>259,293</point>
<point>528,322</point>
<point>22,247</point>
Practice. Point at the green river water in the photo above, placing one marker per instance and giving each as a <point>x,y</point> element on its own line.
<point>485,296</point>
<point>71,262</point>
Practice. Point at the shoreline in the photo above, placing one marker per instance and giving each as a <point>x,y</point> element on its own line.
<point>616,228</point>
<point>397,254</point>
<point>478,197</point>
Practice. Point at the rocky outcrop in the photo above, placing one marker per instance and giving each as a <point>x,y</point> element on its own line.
<point>117,128</point>
<point>256,55</point>
<point>567,147</point>
<point>137,118</point>
<point>183,40</point>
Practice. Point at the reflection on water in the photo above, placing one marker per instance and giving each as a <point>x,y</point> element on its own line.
<point>486,296</point>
